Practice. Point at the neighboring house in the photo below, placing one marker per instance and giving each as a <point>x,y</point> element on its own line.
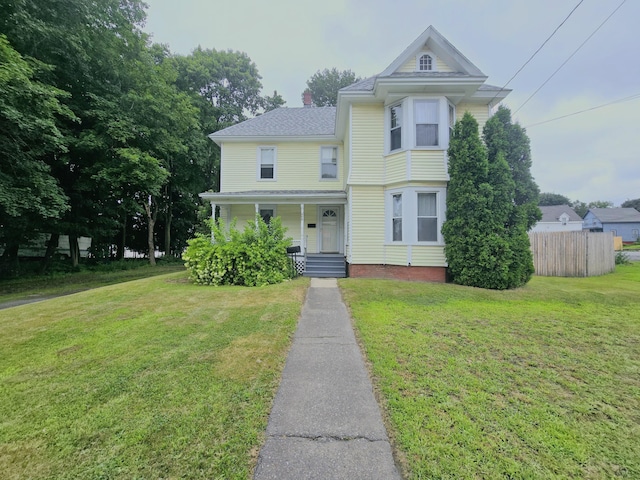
<point>623,222</point>
<point>366,180</point>
<point>558,218</point>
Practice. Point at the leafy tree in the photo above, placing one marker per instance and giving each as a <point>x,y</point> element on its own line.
<point>549,199</point>
<point>635,203</point>
<point>28,133</point>
<point>581,208</point>
<point>273,102</point>
<point>324,85</point>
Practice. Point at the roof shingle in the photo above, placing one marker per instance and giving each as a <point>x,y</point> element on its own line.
<point>285,122</point>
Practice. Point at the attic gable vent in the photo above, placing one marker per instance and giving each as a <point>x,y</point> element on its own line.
<point>425,63</point>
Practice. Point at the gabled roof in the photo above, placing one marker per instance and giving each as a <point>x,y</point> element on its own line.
<point>552,213</point>
<point>284,122</point>
<point>616,215</point>
<point>434,41</point>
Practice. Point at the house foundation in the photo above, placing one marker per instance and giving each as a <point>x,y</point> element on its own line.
<point>398,272</point>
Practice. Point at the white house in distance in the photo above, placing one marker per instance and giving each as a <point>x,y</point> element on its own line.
<point>364,182</point>
<point>558,218</point>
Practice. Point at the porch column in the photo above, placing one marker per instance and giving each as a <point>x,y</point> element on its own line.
<point>213,219</point>
<point>257,213</point>
<point>302,241</point>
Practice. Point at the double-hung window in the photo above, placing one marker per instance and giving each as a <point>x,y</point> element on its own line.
<point>396,219</point>
<point>427,122</point>
<point>267,163</point>
<point>328,163</point>
<point>427,217</point>
<point>395,139</point>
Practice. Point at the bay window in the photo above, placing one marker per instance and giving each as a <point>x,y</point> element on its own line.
<point>395,141</point>
<point>427,122</point>
<point>427,217</point>
<point>396,220</point>
<point>422,209</point>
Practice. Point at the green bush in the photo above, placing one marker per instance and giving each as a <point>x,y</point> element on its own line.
<point>622,259</point>
<point>255,257</point>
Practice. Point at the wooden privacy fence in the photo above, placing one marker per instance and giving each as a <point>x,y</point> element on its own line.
<point>572,254</point>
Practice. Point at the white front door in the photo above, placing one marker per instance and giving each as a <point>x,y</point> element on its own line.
<point>329,229</point>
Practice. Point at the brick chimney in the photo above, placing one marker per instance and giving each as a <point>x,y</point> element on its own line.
<point>307,101</point>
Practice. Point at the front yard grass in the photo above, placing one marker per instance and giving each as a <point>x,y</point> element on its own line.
<point>539,382</point>
<point>155,378</point>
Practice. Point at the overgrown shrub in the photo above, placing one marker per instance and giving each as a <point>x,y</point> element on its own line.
<point>254,257</point>
<point>622,258</point>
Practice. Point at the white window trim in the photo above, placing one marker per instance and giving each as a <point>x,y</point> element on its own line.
<point>259,164</point>
<point>434,61</point>
<point>337,163</point>
<point>410,215</point>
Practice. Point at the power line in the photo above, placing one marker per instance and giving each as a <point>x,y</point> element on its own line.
<point>539,48</point>
<point>620,100</point>
<point>570,57</point>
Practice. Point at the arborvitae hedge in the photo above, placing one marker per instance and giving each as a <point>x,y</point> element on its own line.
<point>486,242</point>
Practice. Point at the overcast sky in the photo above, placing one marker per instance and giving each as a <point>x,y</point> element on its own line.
<point>590,156</point>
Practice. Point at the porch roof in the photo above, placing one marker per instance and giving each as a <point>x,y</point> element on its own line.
<point>276,197</point>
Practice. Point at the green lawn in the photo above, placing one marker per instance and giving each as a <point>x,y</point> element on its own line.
<point>153,378</point>
<point>540,382</point>
<point>72,282</point>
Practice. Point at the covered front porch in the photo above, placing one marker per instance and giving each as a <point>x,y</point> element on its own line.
<point>315,220</point>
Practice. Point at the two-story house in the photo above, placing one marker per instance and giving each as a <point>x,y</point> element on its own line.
<point>365,180</point>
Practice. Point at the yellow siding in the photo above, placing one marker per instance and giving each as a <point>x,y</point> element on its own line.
<point>423,256</point>
<point>367,225</point>
<point>297,167</point>
<point>479,111</point>
<point>428,165</point>
<point>411,64</point>
<point>367,146</point>
<point>396,254</point>
<point>396,168</point>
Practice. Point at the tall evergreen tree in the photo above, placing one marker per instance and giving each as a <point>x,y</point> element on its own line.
<point>508,141</point>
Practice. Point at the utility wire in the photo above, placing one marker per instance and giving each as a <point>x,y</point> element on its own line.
<point>570,57</point>
<point>620,100</point>
<point>539,48</point>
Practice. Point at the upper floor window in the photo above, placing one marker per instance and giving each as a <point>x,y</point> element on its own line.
<point>329,163</point>
<point>267,163</point>
<point>425,63</point>
<point>395,127</point>
<point>427,120</point>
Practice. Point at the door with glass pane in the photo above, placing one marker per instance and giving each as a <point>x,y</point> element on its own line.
<point>329,229</point>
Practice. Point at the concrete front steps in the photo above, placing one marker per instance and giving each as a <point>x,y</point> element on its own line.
<point>325,265</point>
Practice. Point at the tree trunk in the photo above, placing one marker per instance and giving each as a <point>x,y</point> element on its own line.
<point>167,231</point>
<point>152,215</point>
<point>74,250</point>
<point>52,245</point>
<point>123,239</point>
<point>9,265</point>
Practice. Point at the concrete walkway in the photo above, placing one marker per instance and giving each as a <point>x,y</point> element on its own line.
<point>325,422</point>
